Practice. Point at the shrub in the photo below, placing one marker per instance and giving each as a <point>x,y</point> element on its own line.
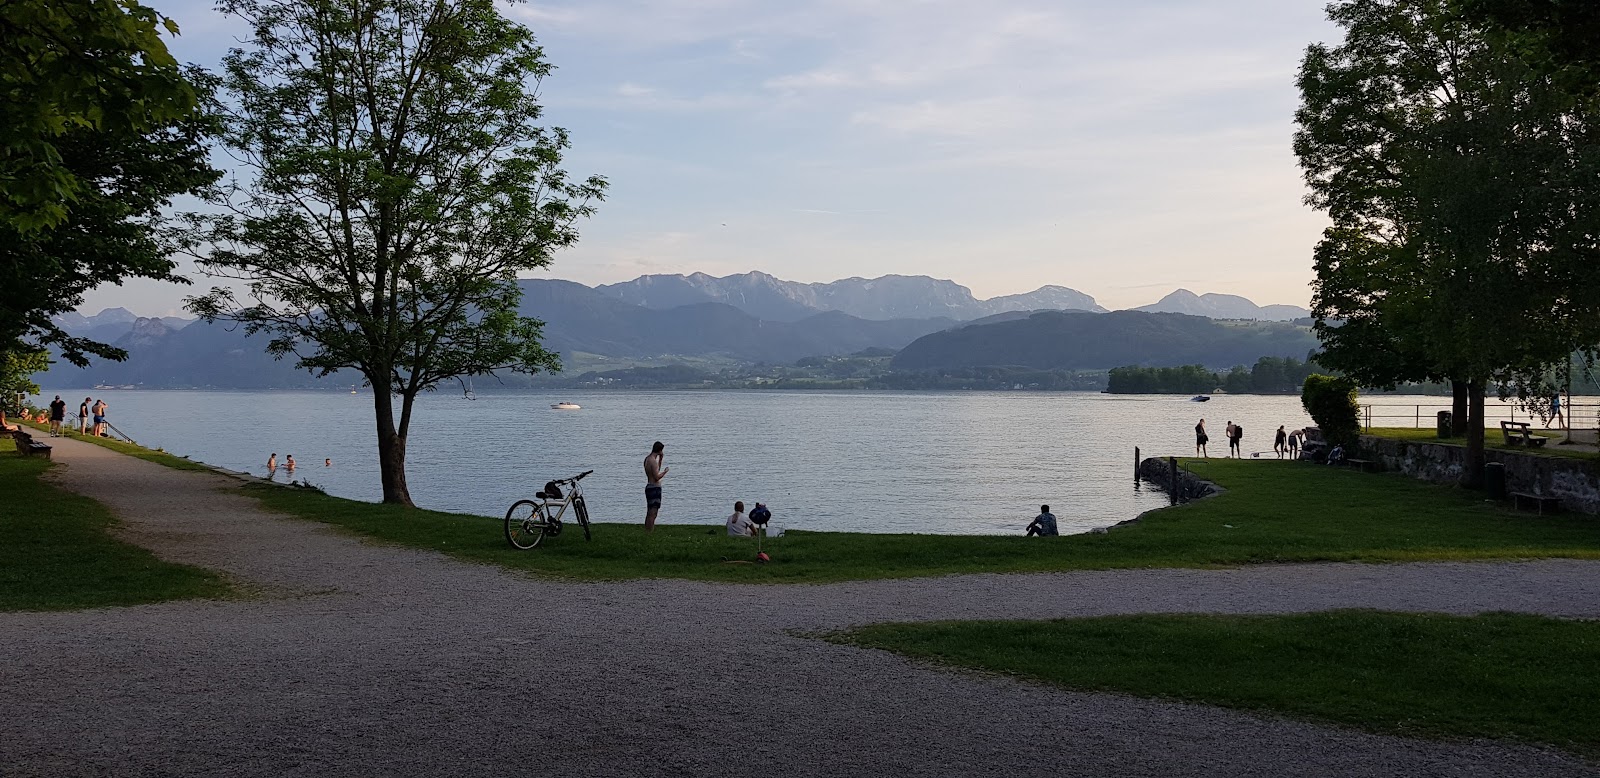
<point>1331,402</point>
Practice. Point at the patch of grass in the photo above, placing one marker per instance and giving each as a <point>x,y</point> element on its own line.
<point>149,454</point>
<point>56,553</point>
<point>1501,675</point>
<point>1274,512</point>
<point>1492,439</point>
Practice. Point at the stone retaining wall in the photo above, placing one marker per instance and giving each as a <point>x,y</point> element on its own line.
<point>1575,482</point>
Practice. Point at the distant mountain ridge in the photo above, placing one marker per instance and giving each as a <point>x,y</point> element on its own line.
<point>1076,340</point>
<point>875,299</point>
<point>1222,306</point>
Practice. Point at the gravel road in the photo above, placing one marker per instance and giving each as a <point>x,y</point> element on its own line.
<point>361,659</point>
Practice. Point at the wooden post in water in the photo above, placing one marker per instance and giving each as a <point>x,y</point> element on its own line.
<point>1135,463</point>
<point>1172,463</point>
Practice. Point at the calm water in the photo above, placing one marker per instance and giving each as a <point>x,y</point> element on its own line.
<point>959,462</point>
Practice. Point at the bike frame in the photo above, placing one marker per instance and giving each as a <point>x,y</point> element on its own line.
<point>551,513</point>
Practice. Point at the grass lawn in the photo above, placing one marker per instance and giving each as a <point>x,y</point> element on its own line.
<point>56,553</point>
<point>1492,440</point>
<point>1274,512</point>
<point>40,433</point>
<point>1498,675</point>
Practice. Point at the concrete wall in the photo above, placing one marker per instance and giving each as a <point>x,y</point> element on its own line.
<point>1575,481</point>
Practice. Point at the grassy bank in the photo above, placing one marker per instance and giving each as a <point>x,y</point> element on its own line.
<point>40,432</point>
<point>56,552</point>
<point>1492,439</point>
<point>1273,512</point>
<point>1499,675</point>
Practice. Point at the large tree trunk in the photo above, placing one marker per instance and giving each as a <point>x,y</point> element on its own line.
<point>1458,407</point>
<point>1474,474</point>
<point>391,446</point>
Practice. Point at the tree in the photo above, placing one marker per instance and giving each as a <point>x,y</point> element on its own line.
<point>69,67</point>
<point>1331,403</point>
<point>112,230</point>
<point>1442,157</point>
<point>399,182</point>
<point>17,368</point>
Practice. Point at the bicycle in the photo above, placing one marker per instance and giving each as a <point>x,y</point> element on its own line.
<point>530,521</point>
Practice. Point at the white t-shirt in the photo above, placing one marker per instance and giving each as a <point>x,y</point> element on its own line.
<point>739,526</point>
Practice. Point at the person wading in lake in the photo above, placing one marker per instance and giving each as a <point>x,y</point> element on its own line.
<point>654,471</point>
<point>1200,439</point>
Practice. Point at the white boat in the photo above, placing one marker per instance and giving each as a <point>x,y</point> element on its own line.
<point>564,406</point>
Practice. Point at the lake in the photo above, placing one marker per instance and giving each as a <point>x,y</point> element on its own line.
<point>929,462</point>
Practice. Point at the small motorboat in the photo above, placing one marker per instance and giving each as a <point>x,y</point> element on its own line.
<point>1200,398</point>
<point>565,406</point>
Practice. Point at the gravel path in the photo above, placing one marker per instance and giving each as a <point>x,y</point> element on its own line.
<point>361,659</point>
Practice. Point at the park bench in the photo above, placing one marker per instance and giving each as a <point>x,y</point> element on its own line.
<point>1364,465</point>
<point>27,446</point>
<point>1520,433</point>
<point>1540,502</point>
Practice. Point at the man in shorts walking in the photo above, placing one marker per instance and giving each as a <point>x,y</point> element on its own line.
<point>58,414</point>
<point>654,472</point>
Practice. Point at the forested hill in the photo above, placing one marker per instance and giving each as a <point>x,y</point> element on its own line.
<point>1073,340</point>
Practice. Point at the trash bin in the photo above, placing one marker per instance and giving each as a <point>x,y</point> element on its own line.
<point>1494,480</point>
<point>1444,424</point>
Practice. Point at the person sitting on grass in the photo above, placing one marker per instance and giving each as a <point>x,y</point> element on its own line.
<point>1336,456</point>
<point>1044,525</point>
<point>739,525</point>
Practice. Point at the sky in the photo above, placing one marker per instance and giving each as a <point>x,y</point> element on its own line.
<point>1122,149</point>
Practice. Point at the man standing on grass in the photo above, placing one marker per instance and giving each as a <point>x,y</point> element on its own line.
<point>654,471</point>
<point>83,417</point>
<point>58,414</point>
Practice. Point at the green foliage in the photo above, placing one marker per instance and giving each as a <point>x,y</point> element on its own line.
<point>1269,375</point>
<point>399,180</point>
<point>1355,517</point>
<point>1498,675</point>
<point>1189,379</point>
<point>76,69</point>
<point>56,551</point>
<point>1459,172</point>
<point>113,229</point>
<point>17,368</point>
<point>1331,403</point>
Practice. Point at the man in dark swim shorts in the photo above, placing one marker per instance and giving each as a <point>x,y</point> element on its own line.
<point>654,471</point>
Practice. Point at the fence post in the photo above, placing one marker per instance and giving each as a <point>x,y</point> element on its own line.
<point>1172,463</point>
<point>1135,463</point>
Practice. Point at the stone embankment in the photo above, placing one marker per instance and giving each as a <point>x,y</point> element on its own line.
<point>1158,471</point>
<point>1576,482</point>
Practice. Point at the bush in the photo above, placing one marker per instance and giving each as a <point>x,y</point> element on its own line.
<point>1331,402</point>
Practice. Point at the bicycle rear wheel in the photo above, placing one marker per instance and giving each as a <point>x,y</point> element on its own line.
<point>583,516</point>
<point>525,524</point>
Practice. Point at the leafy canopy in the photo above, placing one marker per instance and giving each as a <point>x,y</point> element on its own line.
<point>96,65</point>
<point>398,180</point>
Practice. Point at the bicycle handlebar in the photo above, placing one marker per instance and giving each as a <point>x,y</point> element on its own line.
<point>581,475</point>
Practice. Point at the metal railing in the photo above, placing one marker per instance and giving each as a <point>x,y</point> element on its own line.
<point>1425,415</point>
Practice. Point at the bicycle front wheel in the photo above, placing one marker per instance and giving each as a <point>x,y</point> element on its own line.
<point>525,524</point>
<point>583,516</point>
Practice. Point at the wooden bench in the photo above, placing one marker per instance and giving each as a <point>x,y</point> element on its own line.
<point>29,447</point>
<point>1364,465</point>
<point>1520,433</point>
<point>1539,501</point>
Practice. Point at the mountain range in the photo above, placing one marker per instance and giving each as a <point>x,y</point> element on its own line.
<point>886,297</point>
<point>1222,306</point>
<point>746,318</point>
